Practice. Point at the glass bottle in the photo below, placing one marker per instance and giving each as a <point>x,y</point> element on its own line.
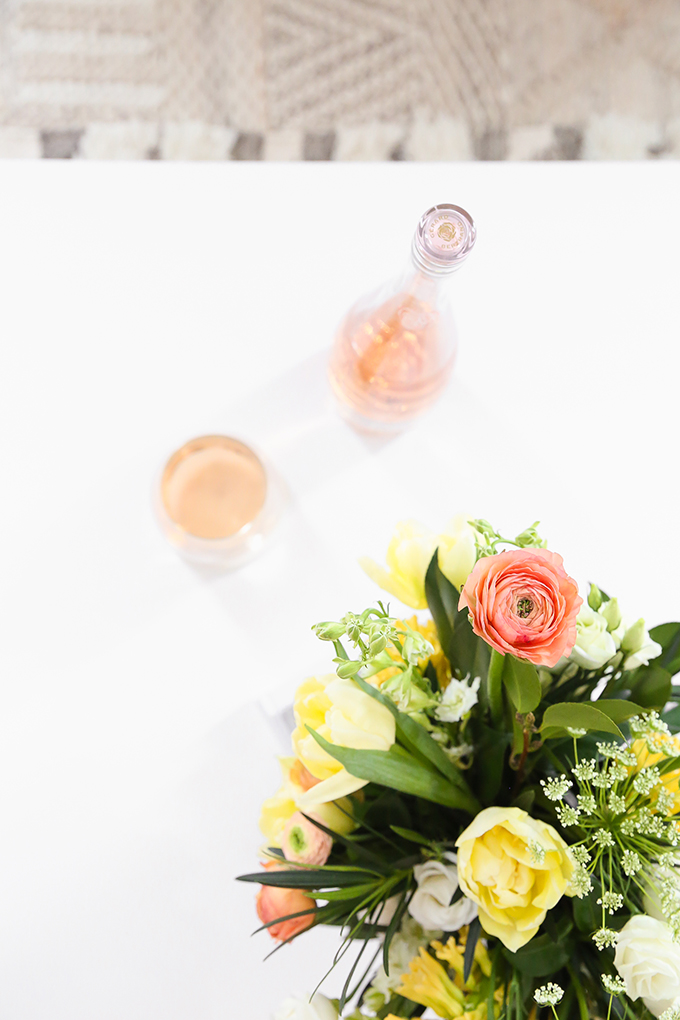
<point>394,351</point>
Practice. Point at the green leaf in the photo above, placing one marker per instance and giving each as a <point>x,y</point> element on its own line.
<point>651,685</point>
<point>352,892</point>
<point>492,747</point>
<point>672,718</point>
<point>668,636</point>
<point>411,836</point>
<point>312,878</point>
<point>522,684</point>
<point>576,715</point>
<point>442,600</point>
<point>465,651</point>
<point>399,770</point>
<point>473,934</point>
<point>539,957</point>
<point>618,710</point>
<point>417,736</point>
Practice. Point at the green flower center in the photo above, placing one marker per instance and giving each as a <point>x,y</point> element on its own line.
<point>298,841</point>
<point>525,606</point>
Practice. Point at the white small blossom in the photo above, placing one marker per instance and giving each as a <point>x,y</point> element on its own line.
<point>617,772</point>
<point>587,804</point>
<point>555,787</point>
<point>581,882</point>
<point>603,781</point>
<point>458,700</point>
<point>603,837</point>
<point>645,781</point>
<point>672,1013</point>
<point>549,995</point>
<point>613,985</point>
<point>665,801</point>
<point>617,804</point>
<point>537,851</point>
<point>585,770</point>
<point>581,854</point>
<point>567,815</point>
<point>617,751</point>
<point>611,901</point>
<point>631,862</point>
<point>576,732</point>
<point>605,937</point>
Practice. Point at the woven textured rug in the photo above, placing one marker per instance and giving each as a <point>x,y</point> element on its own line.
<point>340,79</point>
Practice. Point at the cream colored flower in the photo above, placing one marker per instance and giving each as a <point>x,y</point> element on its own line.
<point>342,714</point>
<point>279,809</point>
<point>594,644</point>
<point>648,960</point>
<point>432,904</point>
<point>513,886</point>
<point>318,1007</point>
<point>408,557</point>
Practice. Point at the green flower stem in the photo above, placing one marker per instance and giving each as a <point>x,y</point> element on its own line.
<point>580,994</point>
<point>495,686</point>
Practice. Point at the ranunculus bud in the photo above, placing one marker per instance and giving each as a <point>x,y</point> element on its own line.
<point>304,843</point>
<point>275,901</point>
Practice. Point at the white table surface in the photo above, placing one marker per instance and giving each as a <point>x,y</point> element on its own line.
<point>143,304</point>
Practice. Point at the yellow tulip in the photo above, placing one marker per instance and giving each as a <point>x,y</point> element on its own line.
<point>277,810</point>
<point>408,557</point>
<point>515,868</point>
<point>342,714</point>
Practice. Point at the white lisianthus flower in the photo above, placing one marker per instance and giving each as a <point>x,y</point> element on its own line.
<point>304,1008</point>
<point>639,646</point>
<point>458,700</point>
<point>594,644</point>
<point>648,961</point>
<point>431,904</point>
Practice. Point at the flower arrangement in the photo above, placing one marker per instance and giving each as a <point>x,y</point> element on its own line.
<point>485,801</point>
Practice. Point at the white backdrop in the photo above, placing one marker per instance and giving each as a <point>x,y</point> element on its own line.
<point>143,304</point>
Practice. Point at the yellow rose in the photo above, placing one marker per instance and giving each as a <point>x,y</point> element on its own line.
<point>342,714</point>
<point>408,557</point>
<point>515,868</point>
<point>669,780</point>
<point>277,810</point>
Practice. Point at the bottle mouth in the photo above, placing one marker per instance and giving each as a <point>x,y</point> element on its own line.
<point>444,238</point>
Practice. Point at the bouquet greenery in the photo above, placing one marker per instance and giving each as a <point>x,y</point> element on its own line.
<point>484,801</point>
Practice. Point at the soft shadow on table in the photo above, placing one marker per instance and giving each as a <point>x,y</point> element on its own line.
<point>294,422</point>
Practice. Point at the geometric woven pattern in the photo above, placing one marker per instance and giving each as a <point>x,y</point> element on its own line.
<point>486,79</point>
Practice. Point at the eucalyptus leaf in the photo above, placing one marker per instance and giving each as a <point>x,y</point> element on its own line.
<point>520,679</point>
<point>651,685</point>
<point>617,709</point>
<point>668,636</point>
<point>579,716</point>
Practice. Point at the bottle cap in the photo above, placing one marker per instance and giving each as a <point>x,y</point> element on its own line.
<point>443,239</point>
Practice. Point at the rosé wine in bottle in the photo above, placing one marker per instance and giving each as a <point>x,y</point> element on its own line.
<point>394,351</point>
